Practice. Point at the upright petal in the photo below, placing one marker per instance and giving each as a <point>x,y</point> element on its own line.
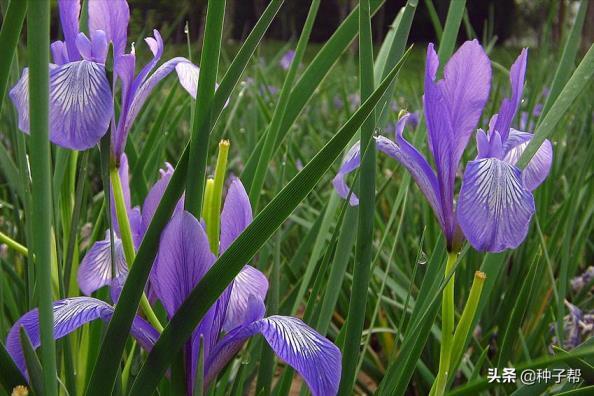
<point>69,12</point>
<point>97,269</point>
<point>248,283</point>
<point>59,52</point>
<point>81,104</point>
<point>509,106</point>
<point>111,16</point>
<point>453,107</point>
<point>351,161</point>
<point>314,357</point>
<point>539,166</point>
<point>236,214</point>
<point>153,198</point>
<point>494,208</point>
<point>69,315</point>
<point>138,98</point>
<point>184,257</point>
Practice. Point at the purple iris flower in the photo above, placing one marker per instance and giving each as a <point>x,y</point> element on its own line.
<point>287,59</point>
<point>184,257</point>
<point>495,203</point>
<point>81,99</point>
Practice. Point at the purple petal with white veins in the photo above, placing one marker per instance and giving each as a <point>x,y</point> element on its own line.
<point>509,106</point>
<point>314,357</point>
<point>494,208</point>
<point>69,315</point>
<point>184,257</point>
<point>81,104</point>
<point>248,283</point>
<point>69,13</point>
<point>139,97</point>
<point>19,95</point>
<point>188,74</point>
<point>111,16</point>
<point>236,214</point>
<point>96,268</point>
<point>539,166</point>
<point>351,161</point>
<point>453,107</point>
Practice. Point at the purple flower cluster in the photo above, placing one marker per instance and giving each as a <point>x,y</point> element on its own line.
<point>495,203</point>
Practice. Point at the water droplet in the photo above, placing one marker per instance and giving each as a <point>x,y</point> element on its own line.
<point>422,258</point>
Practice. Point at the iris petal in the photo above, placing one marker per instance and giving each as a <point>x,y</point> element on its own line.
<point>494,208</point>
<point>352,160</point>
<point>69,315</point>
<point>314,357</point>
<point>112,17</point>
<point>236,214</point>
<point>453,107</point>
<point>69,12</point>
<point>184,257</point>
<point>96,269</point>
<point>248,283</point>
<point>81,104</point>
<point>509,106</point>
<point>539,166</point>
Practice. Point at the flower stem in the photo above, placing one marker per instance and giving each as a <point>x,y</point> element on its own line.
<point>14,245</point>
<point>213,228</point>
<point>127,241</point>
<point>464,325</point>
<point>447,328</point>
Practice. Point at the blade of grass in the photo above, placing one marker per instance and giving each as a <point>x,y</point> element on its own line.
<point>246,245</point>
<point>281,108</point>
<point>38,42</point>
<point>364,244</point>
<point>34,369</point>
<point>202,117</point>
<point>567,59</point>
<point>309,81</point>
<point>105,369</point>
<point>450,30</point>
<point>12,25</point>
<point>578,82</point>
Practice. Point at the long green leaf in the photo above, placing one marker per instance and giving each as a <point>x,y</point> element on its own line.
<point>567,59</point>
<point>9,37</point>
<point>209,62</point>
<point>364,245</point>
<point>280,110</point>
<point>38,21</point>
<point>450,30</point>
<point>246,245</point>
<point>112,347</point>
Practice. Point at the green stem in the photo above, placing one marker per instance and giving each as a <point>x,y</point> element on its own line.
<point>464,325</point>
<point>447,328</point>
<point>213,228</point>
<point>14,245</point>
<point>38,29</point>
<point>127,241</point>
